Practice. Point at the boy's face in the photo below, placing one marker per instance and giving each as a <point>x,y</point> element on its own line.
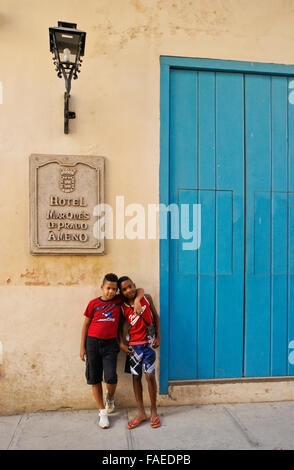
<point>128,289</point>
<point>109,290</point>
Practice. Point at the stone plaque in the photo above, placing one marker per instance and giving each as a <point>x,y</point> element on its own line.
<point>64,190</point>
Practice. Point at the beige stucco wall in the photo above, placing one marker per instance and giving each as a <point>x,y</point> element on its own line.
<point>116,99</point>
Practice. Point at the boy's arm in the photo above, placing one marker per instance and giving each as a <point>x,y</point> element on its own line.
<point>122,344</point>
<point>85,327</point>
<point>137,301</point>
<point>156,320</point>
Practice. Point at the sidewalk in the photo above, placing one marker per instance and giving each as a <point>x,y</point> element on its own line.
<point>242,426</point>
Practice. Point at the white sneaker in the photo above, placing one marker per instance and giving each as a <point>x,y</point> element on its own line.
<point>109,405</point>
<point>103,421</point>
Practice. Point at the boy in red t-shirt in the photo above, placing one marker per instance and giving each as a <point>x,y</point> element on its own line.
<point>99,343</point>
<point>140,352</point>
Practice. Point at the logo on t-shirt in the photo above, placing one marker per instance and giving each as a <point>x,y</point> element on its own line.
<point>106,311</point>
<point>106,319</point>
<point>134,318</point>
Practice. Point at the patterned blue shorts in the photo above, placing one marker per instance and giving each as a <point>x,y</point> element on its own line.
<point>143,358</point>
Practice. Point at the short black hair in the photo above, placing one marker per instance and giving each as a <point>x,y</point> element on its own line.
<point>123,279</point>
<point>111,277</point>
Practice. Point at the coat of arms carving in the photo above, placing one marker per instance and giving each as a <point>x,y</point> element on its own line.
<point>67,180</point>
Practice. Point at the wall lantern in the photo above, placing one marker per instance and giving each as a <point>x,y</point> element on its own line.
<point>67,45</point>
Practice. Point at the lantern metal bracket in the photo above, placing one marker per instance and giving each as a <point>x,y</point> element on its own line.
<point>67,114</point>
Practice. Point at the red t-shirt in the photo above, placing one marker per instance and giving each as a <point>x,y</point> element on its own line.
<point>105,316</point>
<point>137,331</point>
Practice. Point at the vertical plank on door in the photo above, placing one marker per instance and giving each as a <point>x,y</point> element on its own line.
<point>258,179</point>
<point>183,174</point>
<point>279,227</point>
<point>290,227</point>
<point>229,268</point>
<point>206,254</point>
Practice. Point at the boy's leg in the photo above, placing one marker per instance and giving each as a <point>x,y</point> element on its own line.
<point>136,371</point>
<point>152,389</point>
<point>98,395</point>
<point>110,353</point>
<point>149,369</point>
<point>111,390</point>
<point>94,370</point>
<point>138,391</point>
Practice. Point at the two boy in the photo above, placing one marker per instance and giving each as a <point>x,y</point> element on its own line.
<point>100,347</point>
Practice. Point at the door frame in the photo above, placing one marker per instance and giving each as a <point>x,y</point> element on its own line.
<point>166,64</point>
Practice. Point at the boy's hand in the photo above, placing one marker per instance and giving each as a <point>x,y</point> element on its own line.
<point>156,342</point>
<point>83,354</point>
<point>137,307</point>
<point>125,349</point>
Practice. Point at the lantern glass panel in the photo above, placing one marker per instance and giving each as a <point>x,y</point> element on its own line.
<point>67,40</point>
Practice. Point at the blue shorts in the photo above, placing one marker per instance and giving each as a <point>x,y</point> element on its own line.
<point>143,358</point>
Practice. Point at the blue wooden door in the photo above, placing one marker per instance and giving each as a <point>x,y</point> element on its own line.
<point>231,151</point>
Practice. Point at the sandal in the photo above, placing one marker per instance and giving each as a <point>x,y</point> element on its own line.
<point>135,422</point>
<point>155,423</point>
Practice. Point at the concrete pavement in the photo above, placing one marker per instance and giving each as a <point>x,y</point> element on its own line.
<point>256,426</point>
